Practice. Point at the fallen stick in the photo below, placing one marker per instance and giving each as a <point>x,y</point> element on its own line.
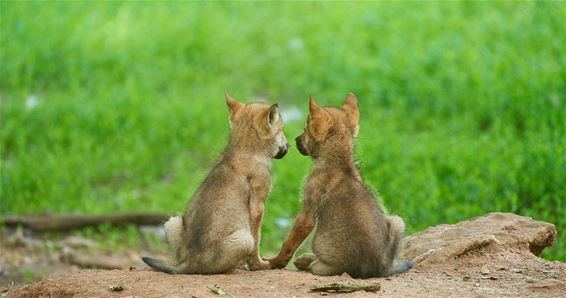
<point>347,287</point>
<point>216,289</point>
<point>62,222</point>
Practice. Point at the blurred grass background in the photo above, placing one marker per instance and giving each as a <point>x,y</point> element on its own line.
<point>111,107</point>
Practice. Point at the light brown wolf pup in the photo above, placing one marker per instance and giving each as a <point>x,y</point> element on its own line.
<point>221,227</point>
<point>353,234</point>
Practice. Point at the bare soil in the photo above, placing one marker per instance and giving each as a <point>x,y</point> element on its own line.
<point>492,255</point>
<point>511,275</point>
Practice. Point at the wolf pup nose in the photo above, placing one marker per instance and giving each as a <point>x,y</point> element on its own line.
<point>282,151</point>
<point>300,147</point>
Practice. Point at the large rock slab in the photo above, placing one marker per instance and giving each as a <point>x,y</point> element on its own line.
<point>488,234</point>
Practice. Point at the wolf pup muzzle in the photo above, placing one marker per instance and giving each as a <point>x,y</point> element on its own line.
<point>282,151</point>
<point>300,146</point>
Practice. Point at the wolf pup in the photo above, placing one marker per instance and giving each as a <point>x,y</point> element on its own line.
<point>353,234</point>
<point>220,229</point>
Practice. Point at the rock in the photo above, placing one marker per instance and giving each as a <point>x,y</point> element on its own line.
<point>79,242</point>
<point>484,270</point>
<point>84,260</point>
<point>486,234</point>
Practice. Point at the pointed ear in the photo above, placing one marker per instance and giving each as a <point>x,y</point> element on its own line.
<point>317,111</point>
<point>350,106</point>
<point>273,115</point>
<point>320,122</point>
<point>233,105</point>
<point>313,107</point>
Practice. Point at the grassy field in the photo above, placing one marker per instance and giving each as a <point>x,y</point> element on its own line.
<point>119,106</point>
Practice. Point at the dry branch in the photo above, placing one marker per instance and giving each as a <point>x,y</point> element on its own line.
<point>61,222</point>
<point>347,287</point>
<point>216,289</point>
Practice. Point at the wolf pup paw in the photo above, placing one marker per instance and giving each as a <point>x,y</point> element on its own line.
<point>259,265</point>
<point>277,263</point>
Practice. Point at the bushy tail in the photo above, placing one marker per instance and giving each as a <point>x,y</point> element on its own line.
<point>396,233</point>
<point>173,233</point>
<point>159,265</point>
<point>399,267</point>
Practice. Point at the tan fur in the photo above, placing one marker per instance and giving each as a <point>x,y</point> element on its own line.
<point>353,234</point>
<point>221,226</point>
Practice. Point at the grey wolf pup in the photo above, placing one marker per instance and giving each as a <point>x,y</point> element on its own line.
<point>353,234</point>
<point>220,229</point>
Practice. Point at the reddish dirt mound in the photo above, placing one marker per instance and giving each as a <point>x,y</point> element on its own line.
<point>493,255</point>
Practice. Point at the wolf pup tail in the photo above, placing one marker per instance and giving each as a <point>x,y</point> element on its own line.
<point>399,267</point>
<point>173,233</point>
<point>159,265</point>
<point>396,232</point>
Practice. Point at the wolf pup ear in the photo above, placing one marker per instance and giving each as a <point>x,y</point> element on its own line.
<point>313,107</point>
<point>273,115</point>
<point>350,106</point>
<point>317,112</point>
<point>321,121</point>
<point>233,105</point>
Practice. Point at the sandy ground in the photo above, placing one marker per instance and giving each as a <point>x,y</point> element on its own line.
<point>509,275</point>
<point>494,255</point>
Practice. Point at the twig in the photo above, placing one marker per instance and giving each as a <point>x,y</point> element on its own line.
<point>216,289</point>
<point>347,287</point>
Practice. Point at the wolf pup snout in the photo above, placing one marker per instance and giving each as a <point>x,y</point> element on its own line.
<point>282,151</point>
<point>300,146</point>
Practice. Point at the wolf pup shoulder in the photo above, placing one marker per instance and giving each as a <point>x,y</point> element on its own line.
<point>353,234</point>
<point>220,229</point>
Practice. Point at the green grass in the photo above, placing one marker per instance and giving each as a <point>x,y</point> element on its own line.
<point>462,104</point>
